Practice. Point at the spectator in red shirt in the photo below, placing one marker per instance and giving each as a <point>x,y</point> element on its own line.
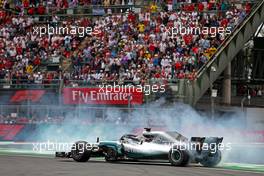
<point>200,7</point>
<point>37,60</point>
<point>31,11</point>
<point>195,49</point>
<point>191,7</point>
<point>41,9</point>
<point>131,17</point>
<point>26,4</point>
<point>224,22</point>
<point>248,8</point>
<point>210,6</point>
<point>152,48</point>
<point>181,75</point>
<point>2,14</point>
<point>178,66</point>
<point>19,49</point>
<point>65,4</point>
<point>187,39</point>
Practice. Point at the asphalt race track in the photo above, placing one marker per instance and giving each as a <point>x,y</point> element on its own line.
<point>40,166</point>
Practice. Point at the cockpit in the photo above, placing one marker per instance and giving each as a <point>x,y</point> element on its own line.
<point>153,137</point>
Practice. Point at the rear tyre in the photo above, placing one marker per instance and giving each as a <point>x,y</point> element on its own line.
<point>110,155</point>
<point>81,151</point>
<point>178,157</point>
<point>213,159</point>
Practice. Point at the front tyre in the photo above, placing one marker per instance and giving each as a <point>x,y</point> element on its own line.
<point>178,157</point>
<point>81,151</point>
<point>212,159</point>
<point>110,155</point>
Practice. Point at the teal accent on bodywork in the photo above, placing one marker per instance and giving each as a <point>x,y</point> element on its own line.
<point>112,144</point>
<point>132,154</point>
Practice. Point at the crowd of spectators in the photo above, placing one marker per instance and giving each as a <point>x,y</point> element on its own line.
<point>21,50</point>
<point>133,46</point>
<point>253,91</point>
<point>139,47</point>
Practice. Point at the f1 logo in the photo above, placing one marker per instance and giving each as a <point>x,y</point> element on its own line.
<point>24,95</point>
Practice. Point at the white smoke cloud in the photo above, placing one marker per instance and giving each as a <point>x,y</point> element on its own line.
<point>177,117</point>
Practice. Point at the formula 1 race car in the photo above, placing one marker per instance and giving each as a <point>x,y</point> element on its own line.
<point>151,145</point>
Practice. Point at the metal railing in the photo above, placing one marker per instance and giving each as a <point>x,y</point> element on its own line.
<point>88,10</point>
<point>29,84</point>
<point>226,52</point>
<point>91,10</point>
<point>85,83</point>
<point>225,43</point>
<point>46,113</point>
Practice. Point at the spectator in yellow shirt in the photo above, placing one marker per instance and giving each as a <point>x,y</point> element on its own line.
<point>141,27</point>
<point>153,8</point>
<point>206,53</point>
<point>29,69</point>
<point>212,51</point>
<point>147,55</point>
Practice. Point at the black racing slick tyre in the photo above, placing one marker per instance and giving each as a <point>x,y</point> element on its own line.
<point>81,151</point>
<point>178,157</point>
<point>213,159</point>
<point>110,155</point>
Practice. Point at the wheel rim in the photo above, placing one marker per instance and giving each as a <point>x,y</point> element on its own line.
<point>76,151</point>
<point>111,155</point>
<point>176,155</point>
<point>79,151</point>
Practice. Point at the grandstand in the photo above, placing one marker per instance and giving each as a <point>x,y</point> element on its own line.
<point>133,43</point>
<point>99,70</point>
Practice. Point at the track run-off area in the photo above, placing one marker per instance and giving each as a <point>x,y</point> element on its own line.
<point>16,163</point>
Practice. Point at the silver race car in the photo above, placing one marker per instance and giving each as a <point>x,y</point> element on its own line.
<point>151,145</point>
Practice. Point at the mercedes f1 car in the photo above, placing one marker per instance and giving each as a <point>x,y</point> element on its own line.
<point>151,145</point>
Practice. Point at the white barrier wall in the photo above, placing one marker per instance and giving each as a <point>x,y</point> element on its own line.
<point>255,118</point>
